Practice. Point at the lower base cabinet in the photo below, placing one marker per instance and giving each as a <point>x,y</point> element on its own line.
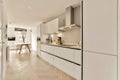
<point>71,68</point>
<point>43,56</point>
<point>65,66</point>
<point>47,57</point>
<point>99,66</point>
<point>77,72</point>
<point>96,66</point>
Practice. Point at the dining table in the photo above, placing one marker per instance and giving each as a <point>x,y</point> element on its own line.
<point>20,45</point>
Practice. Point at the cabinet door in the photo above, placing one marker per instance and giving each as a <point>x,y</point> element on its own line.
<point>99,66</point>
<point>100,25</point>
<point>48,27</point>
<point>43,29</point>
<point>50,58</point>
<point>77,72</point>
<point>47,57</point>
<point>65,66</point>
<point>52,26</point>
<point>66,53</point>
<point>61,20</point>
<point>43,55</point>
<point>77,56</point>
<point>43,47</point>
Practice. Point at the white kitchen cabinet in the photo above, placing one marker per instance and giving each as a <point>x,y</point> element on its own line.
<point>50,49</point>
<point>69,68</point>
<point>43,55</point>
<point>99,66</point>
<point>47,57</point>
<point>62,20</point>
<point>77,72</point>
<point>56,50</point>
<point>100,26</point>
<point>65,66</point>
<point>43,29</point>
<point>68,54</point>
<point>47,48</point>
<point>43,47</point>
<point>50,58</point>
<point>52,26</point>
<point>65,53</point>
<point>77,56</point>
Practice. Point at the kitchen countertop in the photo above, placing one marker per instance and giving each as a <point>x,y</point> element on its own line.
<point>76,47</point>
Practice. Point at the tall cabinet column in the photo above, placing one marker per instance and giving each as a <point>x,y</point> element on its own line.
<point>119,40</point>
<point>100,39</point>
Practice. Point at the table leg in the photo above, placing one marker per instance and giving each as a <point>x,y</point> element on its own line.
<point>20,49</point>
<point>17,48</point>
<point>28,48</point>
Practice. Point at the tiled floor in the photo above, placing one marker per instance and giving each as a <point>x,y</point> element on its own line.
<point>30,67</point>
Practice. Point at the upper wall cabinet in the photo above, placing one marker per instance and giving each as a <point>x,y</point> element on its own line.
<point>62,20</point>
<point>43,29</point>
<point>52,26</point>
<point>65,21</point>
<point>100,26</point>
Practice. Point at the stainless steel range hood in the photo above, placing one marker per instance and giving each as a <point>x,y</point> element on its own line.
<point>70,24</point>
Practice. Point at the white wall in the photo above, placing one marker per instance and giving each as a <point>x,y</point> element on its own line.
<point>33,32</point>
<point>34,38</point>
<point>119,40</point>
<point>28,38</point>
<point>11,33</point>
<point>72,36</point>
<point>3,23</point>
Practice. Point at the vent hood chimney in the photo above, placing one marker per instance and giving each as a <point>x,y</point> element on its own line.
<point>69,16</point>
<point>70,24</point>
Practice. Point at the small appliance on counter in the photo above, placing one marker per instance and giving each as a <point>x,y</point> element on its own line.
<point>49,39</point>
<point>59,40</point>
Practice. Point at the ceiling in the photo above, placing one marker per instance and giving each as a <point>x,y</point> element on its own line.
<point>35,11</point>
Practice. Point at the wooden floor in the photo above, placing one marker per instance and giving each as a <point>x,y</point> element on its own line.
<point>28,66</point>
<point>0,66</point>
